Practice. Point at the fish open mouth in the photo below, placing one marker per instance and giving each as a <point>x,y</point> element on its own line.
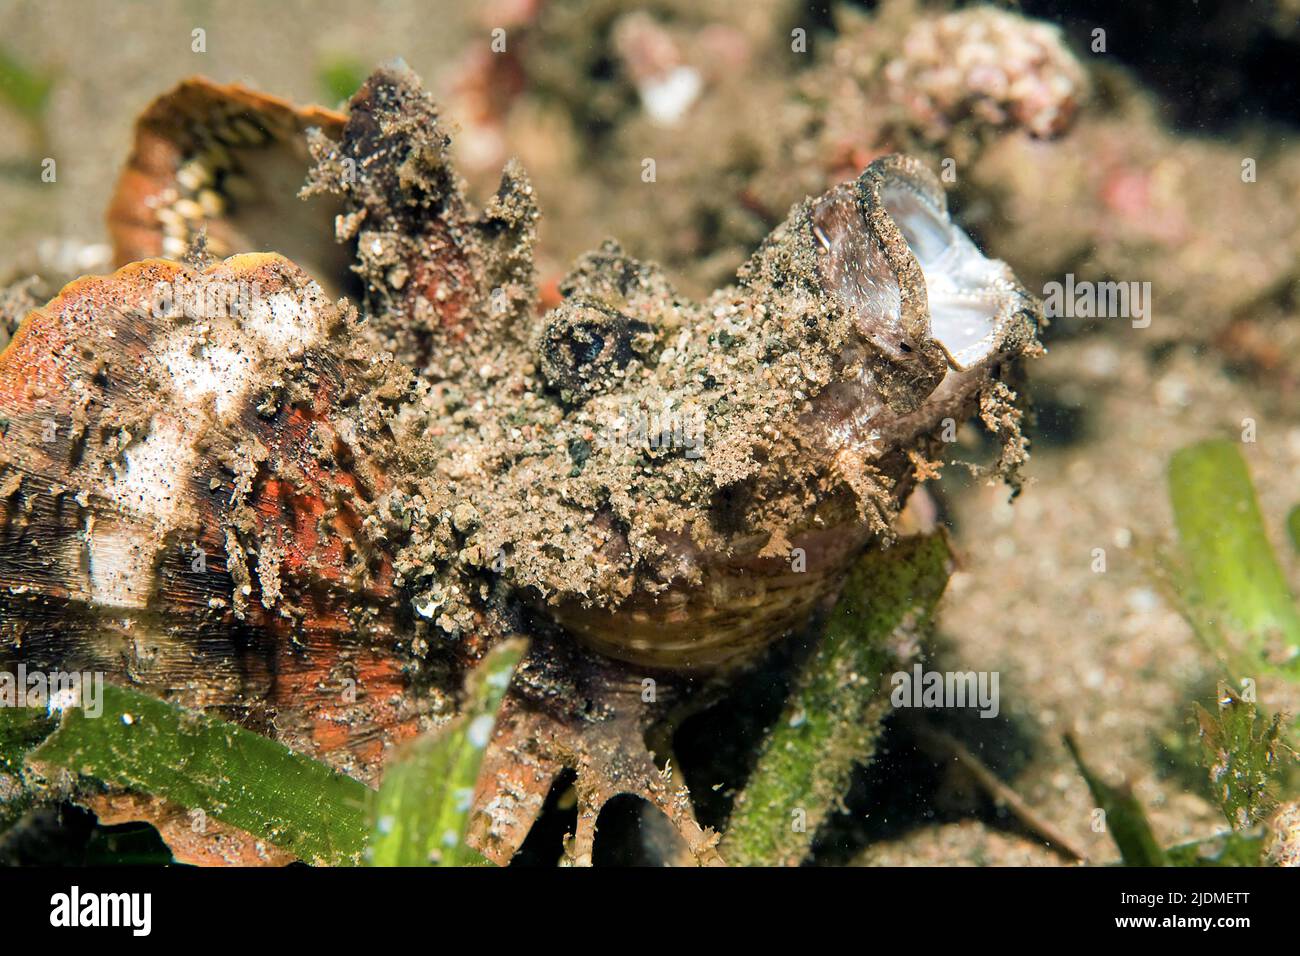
<point>970,296</point>
<point>915,283</point>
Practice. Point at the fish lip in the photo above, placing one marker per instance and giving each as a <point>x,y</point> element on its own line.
<point>1015,306</point>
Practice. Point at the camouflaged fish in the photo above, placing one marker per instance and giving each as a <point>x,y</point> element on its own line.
<point>355,453</point>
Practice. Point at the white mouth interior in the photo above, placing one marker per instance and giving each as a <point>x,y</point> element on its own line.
<point>966,290</point>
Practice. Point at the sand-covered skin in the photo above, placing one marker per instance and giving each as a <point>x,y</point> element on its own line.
<point>675,481</point>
